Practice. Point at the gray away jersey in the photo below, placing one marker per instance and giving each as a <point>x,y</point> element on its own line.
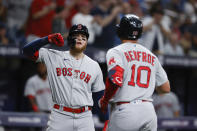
<point>71,81</point>
<point>142,71</point>
<point>165,105</point>
<point>39,88</point>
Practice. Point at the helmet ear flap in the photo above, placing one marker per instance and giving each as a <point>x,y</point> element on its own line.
<point>118,31</point>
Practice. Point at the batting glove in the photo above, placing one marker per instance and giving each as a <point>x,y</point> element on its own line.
<point>103,104</point>
<point>56,39</point>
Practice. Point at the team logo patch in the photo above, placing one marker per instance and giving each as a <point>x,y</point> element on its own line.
<point>135,32</point>
<point>112,61</point>
<point>118,80</point>
<point>79,27</point>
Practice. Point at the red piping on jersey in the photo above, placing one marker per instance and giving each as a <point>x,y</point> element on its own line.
<point>106,125</point>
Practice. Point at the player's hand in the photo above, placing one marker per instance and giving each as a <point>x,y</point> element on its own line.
<point>103,104</point>
<point>56,39</point>
<point>116,10</point>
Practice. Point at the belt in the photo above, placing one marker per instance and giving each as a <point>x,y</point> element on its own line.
<point>127,102</point>
<point>68,109</point>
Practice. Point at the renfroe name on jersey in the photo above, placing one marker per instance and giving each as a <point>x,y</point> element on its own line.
<point>77,73</point>
<point>139,56</point>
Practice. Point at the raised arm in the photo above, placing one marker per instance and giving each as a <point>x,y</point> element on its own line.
<point>32,49</point>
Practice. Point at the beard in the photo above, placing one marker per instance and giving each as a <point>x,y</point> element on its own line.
<point>78,49</point>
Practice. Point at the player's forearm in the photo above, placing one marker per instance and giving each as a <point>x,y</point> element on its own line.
<point>164,88</point>
<point>110,90</point>
<point>44,11</point>
<point>33,103</point>
<point>30,48</point>
<point>164,31</point>
<point>113,82</point>
<point>40,14</point>
<point>107,20</point>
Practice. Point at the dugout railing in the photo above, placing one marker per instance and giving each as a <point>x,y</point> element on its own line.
<point>26,119</point>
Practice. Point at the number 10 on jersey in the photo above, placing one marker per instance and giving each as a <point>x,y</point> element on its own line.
<point>139,70</point>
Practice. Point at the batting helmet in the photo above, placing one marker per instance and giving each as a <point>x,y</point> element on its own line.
<point>130,27</point>
<point>77,29</point>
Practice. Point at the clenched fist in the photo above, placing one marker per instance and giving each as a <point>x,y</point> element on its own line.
<point>56,39</point>
<point>103,104</point>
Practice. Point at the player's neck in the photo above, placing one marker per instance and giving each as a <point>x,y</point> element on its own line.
<point>43,77</point>
<point>77,55</point>
<point>129,41</point>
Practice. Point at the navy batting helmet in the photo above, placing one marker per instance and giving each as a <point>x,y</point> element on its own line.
<point>130,27</point>
<point>77,29</point>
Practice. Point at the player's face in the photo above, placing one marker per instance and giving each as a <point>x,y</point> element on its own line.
<point>42,70</point>
<point>81,42</point>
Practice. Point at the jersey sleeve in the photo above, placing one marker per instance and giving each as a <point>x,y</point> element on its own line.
<point>29,88</point>
<point>161,76</point>
<point>42,54</point>
<point>113,58</point>
<point>115,67</point>
<point>98,84</point>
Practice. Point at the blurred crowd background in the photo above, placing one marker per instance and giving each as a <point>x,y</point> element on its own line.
<point>170,28</point>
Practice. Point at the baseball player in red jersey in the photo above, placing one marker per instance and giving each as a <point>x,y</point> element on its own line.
<point>72,76</point>
<point>133,74</point>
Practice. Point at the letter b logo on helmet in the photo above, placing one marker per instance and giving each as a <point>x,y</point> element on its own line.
<point>130,27</point>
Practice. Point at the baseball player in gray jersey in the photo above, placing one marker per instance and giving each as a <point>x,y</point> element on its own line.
<point>166,105</point>
<point>37,90</point>
<point>133,74</point>
<point>72,76</point>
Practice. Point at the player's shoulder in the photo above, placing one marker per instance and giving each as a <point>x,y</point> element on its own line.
<point>52,51</point>
<point>90,60</point>
<point>144,49</point>
<point>94,65</point>
<point>155,97</point>
<point>118,47</point>
<point>115,49</point>
<point>171,94</point>
<point>126,46</point>
<point>33,78</point>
